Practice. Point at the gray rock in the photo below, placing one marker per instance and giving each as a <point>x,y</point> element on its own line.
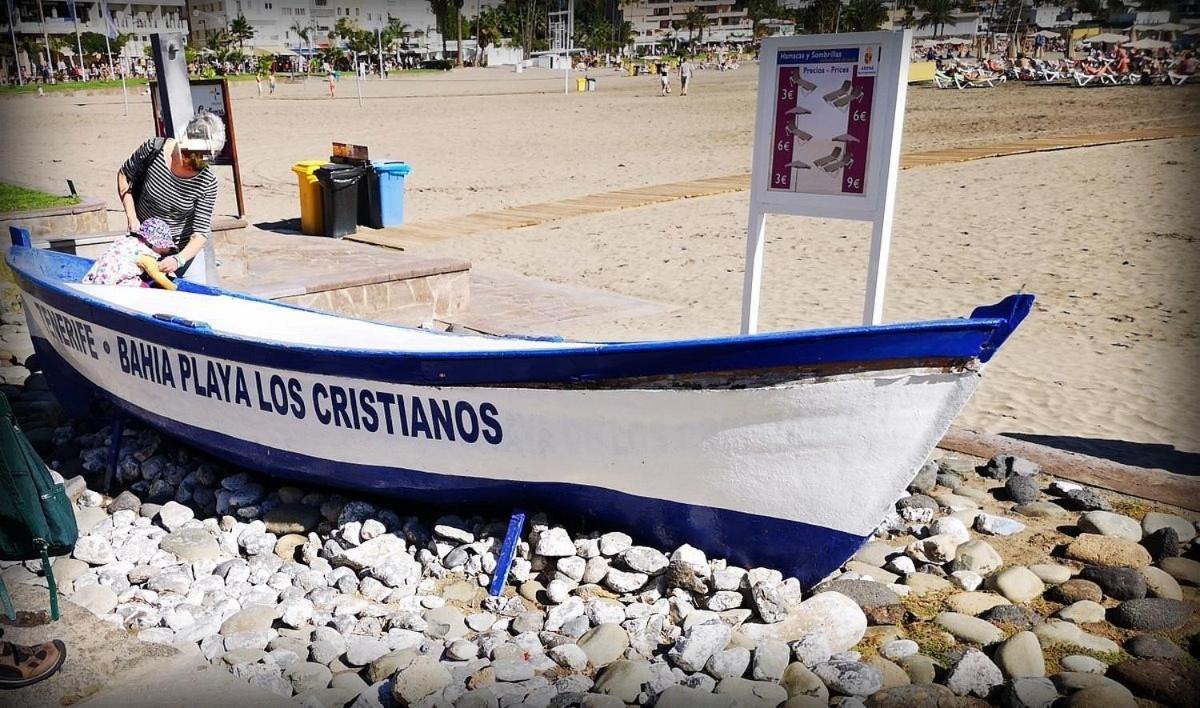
<point>624,679</point>
<point>1022,489</point>
<point>829,613</point>
<point>1083,664</point>
<point>1185,570</point>
<point>1146,646</point>
<point>1152,614</point>
<point>1020,656</point>
<point>446,623</point>
<point>974,674</point>
<point>555,543</point>
<point>925,480</point>
<point>98,599</point>
<point>692,650</point>
<point>1084,499</point>
<point>125,501</point>
<point>191,544</point>
<point>622,582</point>
<point>251,619</point>
<point>752,694</point>
<point>1036,692</point>
<point>730,663</point>
<point>914,696</point>
<point>1106,523</point>
<point>512,670</point>
<point>850,678</point>
<point>1155,520</point>
<point>977,557</point>
<point>327,645</point>
<point>643,559</point>
<point>1018,584</point>
<point>897,649</point>
<point>569,656</point>
<point>867,594</point>
<point>998,525</point>
<point>684,697</point>
<point>1162,543</point>
<point>381,551</point>
<point>614,543</point>
<point>769,603</point>
<point>812,649</point>
<point>1107,695</point>
<point>770,660</point>
<point>309,676</point>
<point>174,515</point>
<point>362,650</point>
<point>1117,583</point>
<point>1083,612</point>
<point>423,677</point>
<point>604,644</point>
<point>95,550</point>
<point>969,629</point>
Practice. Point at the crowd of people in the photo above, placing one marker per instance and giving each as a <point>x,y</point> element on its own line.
<point>1098,65</point>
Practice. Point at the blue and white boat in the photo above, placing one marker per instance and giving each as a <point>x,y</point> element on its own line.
<point>783,449</point>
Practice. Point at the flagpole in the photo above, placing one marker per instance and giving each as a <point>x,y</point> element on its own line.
<point>12,31</point>
<point>110,30</point>
<point>45,36</point>
<point>78,42</point>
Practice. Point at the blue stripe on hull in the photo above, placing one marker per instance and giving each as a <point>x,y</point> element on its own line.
<point>974,338</point>
<point>806,551</point>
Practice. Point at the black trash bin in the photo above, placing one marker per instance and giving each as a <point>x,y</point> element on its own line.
<point>339,197</point>
<point>369,211</point>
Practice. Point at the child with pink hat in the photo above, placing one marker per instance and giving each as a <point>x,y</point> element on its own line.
<point>119,264</point>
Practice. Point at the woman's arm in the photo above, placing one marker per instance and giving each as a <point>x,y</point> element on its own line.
<point>200,225</point>
<point>125,194</point>
<point>169,264</point>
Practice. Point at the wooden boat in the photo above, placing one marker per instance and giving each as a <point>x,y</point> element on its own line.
<point>783,449</point>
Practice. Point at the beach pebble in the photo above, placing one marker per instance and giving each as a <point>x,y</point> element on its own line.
<point>1160,584</point>
<point>974,674</point>
<point>1040,510</point>
<point>728,663</point>
<point>1107,551</point>
<point>1051,573</point>
<point>615,543</point>
<point>1184,570</point>
<point>974,603</point>
<point>1018,584</point>
<point>1083,664</point>
<point>604,644</point>
<point>694,648</point>
<point>1167,682</point>
<point>1152,614</point>
<point>1162,543</point>
<point>1117,583</point>
<point>978,557</point>
<point>1022,488</point>
<point>1082,612</point>
<point>771,657</point>
<point>1074,590</point>
<point>643,559</point>
<point>969,629</point>
<point>849,678</point>
<point>1084,499</point>
<point>925,479</point>
<point>1032,692</point>
<point>1148,646</point>
<point>998,525</point>
<point>1155,520</point>
<point>624,679</point>
<point>1106,523</point>
<point>95,550</point>
<point>421,678</point>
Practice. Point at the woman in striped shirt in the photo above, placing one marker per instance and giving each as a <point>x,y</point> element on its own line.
<point>176,186</point>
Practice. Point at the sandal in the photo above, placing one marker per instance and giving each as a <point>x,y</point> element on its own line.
<point>22,666</point>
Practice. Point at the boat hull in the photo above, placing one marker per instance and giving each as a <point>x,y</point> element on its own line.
<point>781,450</point>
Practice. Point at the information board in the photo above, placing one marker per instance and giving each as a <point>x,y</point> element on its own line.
<point>827,142</point>
<point>823,101</point>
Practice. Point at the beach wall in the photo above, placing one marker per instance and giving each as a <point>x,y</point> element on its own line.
<point>87,217</point>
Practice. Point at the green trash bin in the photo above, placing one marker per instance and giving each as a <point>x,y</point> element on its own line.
<point>339,198</point>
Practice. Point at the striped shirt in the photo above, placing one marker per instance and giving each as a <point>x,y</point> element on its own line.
<point>185,203</point>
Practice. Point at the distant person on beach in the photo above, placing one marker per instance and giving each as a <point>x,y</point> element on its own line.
<point>685,76</point>
<point>271,80</point>
<point>118,265</point>
<point>330,78</point>
<point>170,179</point>
<point>664,78</point>
<point>258,83</point>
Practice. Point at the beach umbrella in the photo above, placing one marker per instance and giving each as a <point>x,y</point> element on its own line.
<point>1047,33</point>
<point>1194,30</point>
<point>1147,43</point>
<point>955,40</point>
<point>1109,38</point>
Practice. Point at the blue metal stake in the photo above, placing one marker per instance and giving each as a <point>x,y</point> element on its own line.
<point>516,524</point>
<point>114,452</point>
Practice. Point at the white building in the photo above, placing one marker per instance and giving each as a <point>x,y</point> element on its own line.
<point>657,20</point>
<point>274,20</point>
<point>140,20</point>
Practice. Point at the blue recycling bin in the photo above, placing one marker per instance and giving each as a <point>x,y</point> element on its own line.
<point>391,177</point>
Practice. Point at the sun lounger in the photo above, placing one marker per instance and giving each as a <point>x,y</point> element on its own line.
<point>798,135</point>
<point>1179,79</point>
<point>837,93</point>
<point>845,138</point>
<point>798,165</point>
<point>804,85</point>
<point>831,157</point>
<point>848,98</point>
<point>944,81</point>
<point>844,161</point>
<point>798,111</point>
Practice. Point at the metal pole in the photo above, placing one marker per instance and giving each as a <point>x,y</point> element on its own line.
<point>379,45</point>
<point>12,31</point>
<point>45,37</point>
<point>78,43</point>
<point>752,279</point>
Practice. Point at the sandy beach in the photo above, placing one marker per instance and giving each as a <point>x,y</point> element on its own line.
<point>1105,236</point>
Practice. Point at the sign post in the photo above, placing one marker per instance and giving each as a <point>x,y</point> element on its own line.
<point>827,143</point>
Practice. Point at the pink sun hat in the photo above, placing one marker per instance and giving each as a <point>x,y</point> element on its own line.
<point>157,235</point>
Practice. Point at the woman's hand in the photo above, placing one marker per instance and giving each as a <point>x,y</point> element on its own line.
<point>169,264</point>
<point>134,224</point>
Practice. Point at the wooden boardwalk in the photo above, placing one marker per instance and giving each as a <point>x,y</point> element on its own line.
<point>435,230</point>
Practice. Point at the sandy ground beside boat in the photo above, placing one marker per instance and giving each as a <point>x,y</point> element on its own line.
<point>1105,236</point>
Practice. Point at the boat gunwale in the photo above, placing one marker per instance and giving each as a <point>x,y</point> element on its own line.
<point>971,337</point>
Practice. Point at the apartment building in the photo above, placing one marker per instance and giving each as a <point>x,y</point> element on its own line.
<point>140,20</point>
<point>274,21</point>
<point>657,20</point>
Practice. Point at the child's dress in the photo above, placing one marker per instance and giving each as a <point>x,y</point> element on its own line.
<point>118,265</point>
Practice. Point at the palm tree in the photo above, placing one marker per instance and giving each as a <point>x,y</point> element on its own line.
<point>458,5</point>
<point>241,30</point>
<point>695,20</point>
<point>863,16</point>
<point>938,13</point>
<point>441,12</point>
